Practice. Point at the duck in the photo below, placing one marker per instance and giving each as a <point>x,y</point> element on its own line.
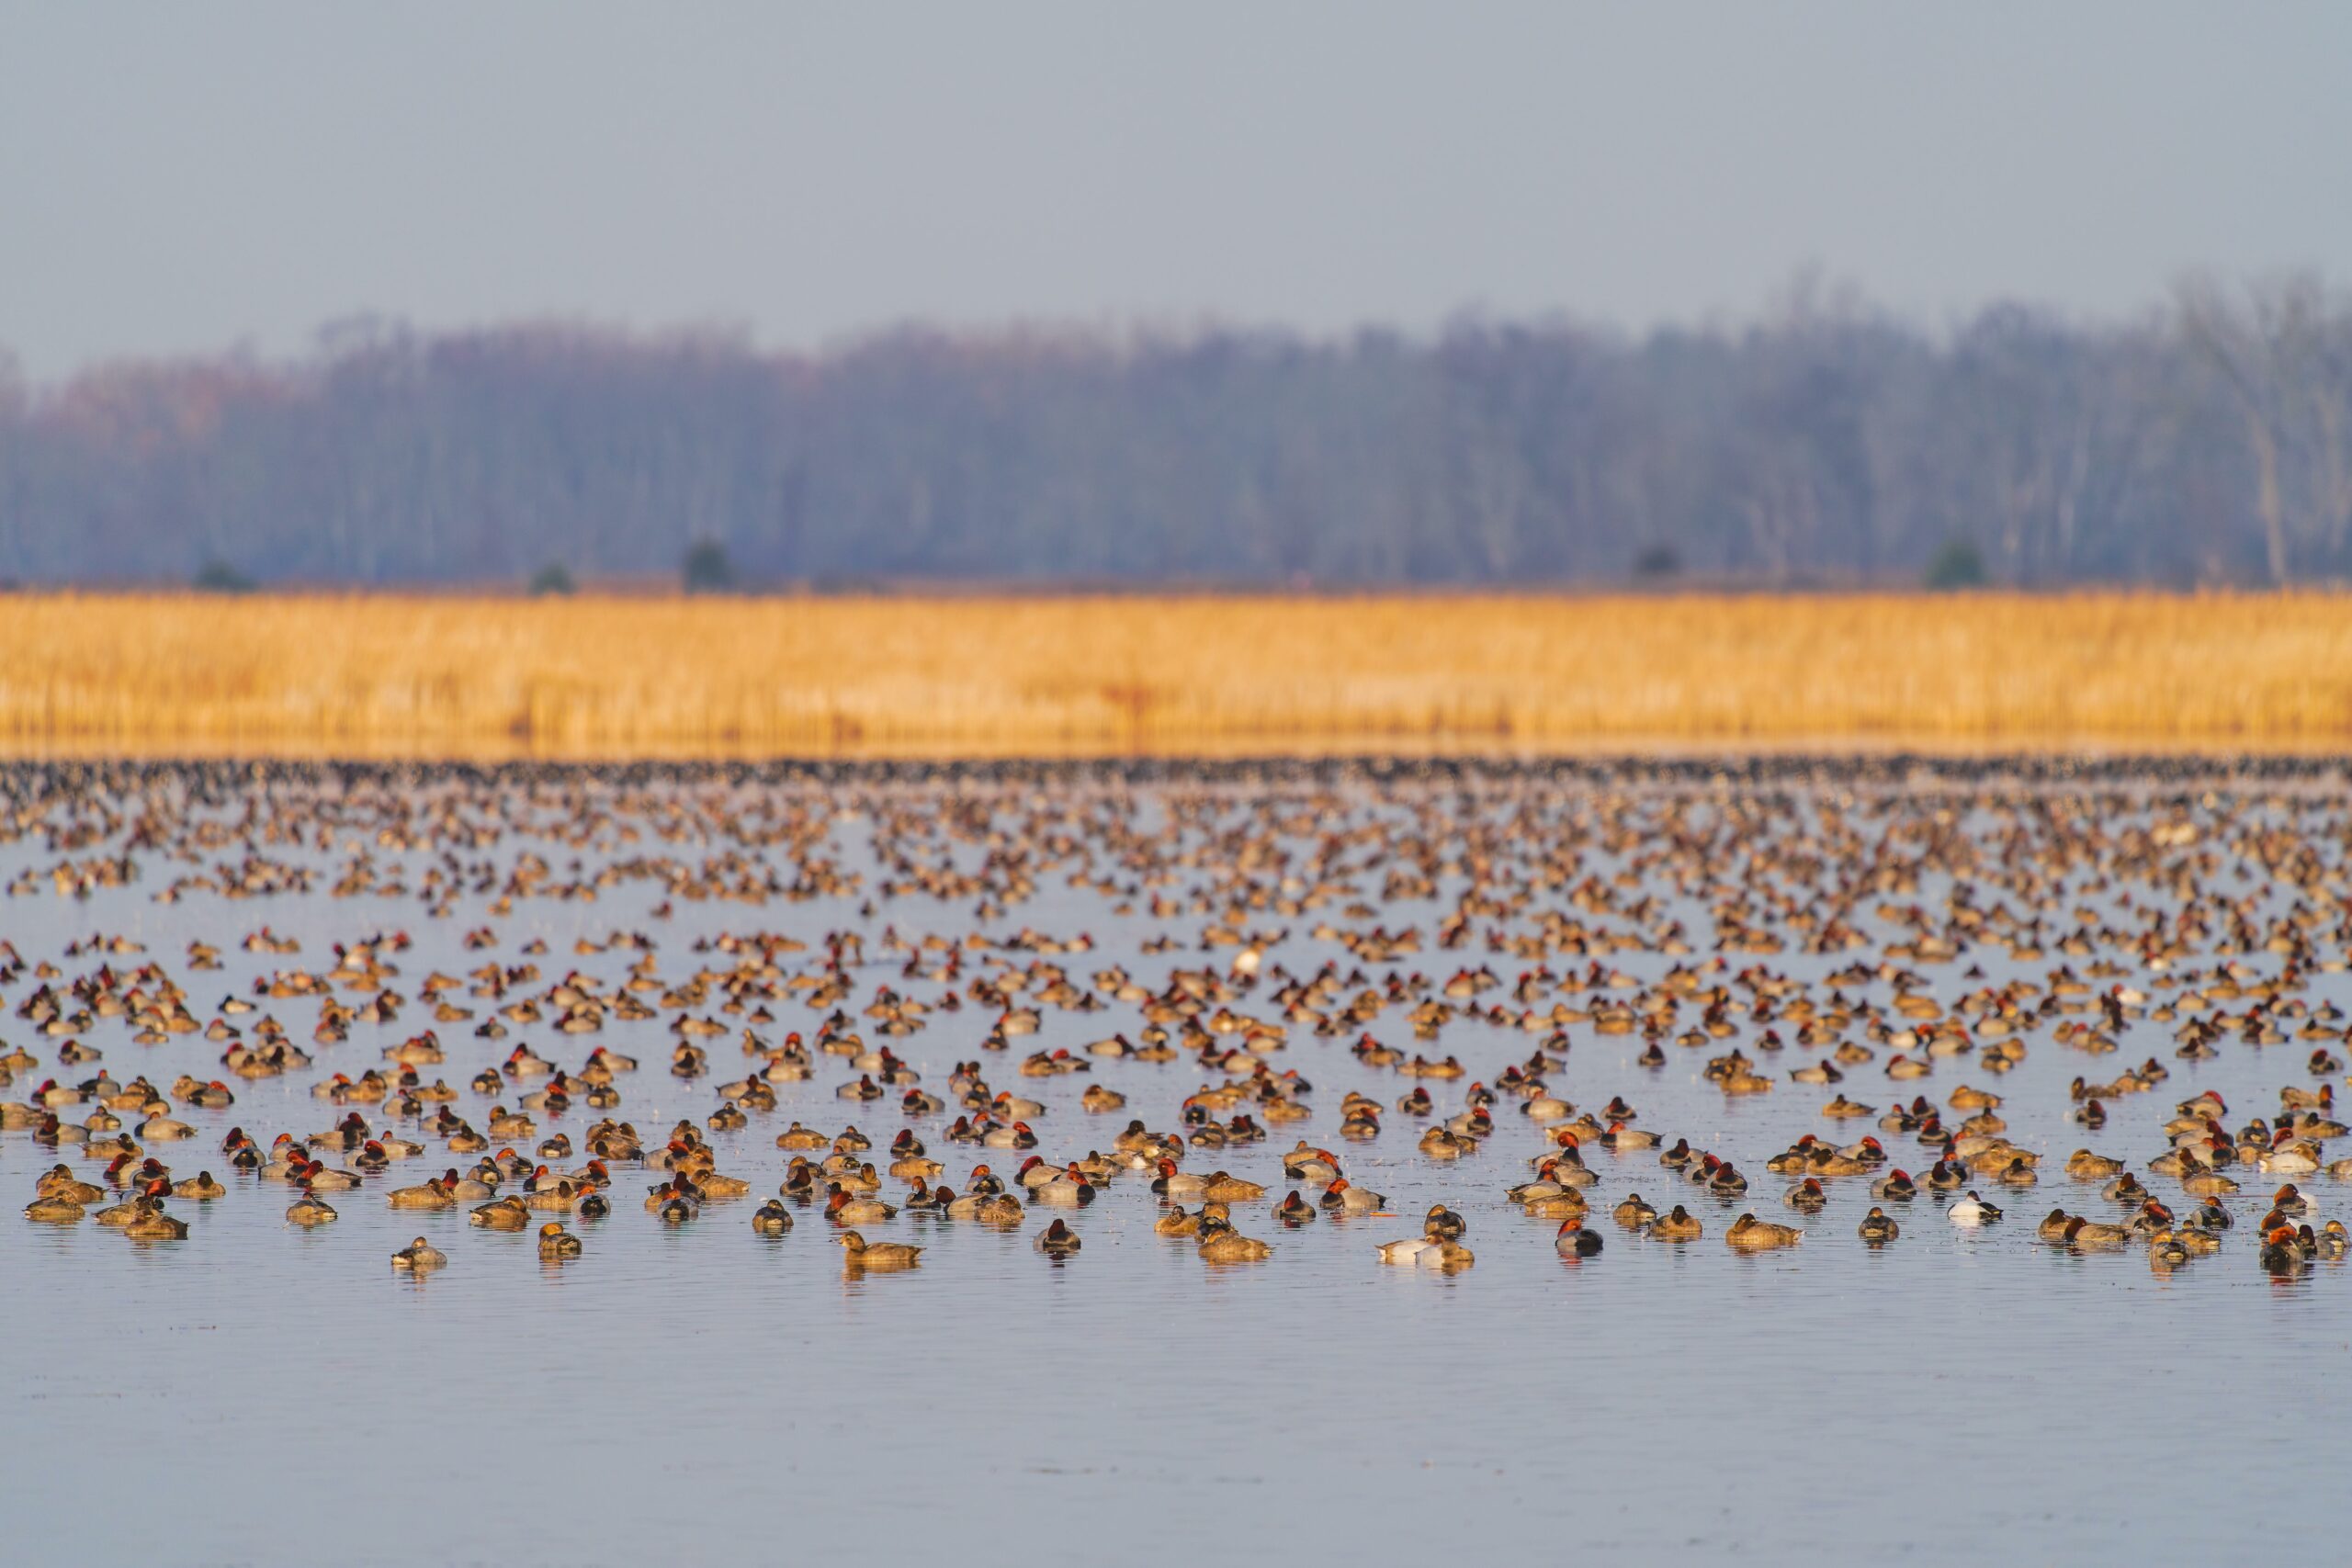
<point>52,1210</point>
<point>433,1194</point>
<point>1292,1210</point>
<point>1749,1233</point>
<point>1896,1187</point>
<point>1878,1227</point>
<point>845,1208</point>
<point>200,1188</point>
<point>2290,1200</point>
<point>310,1209</point>
<point>1442,1143</point>
<point>2281,1253</point>
<point>1971,1211</point>
<point>1677,1225</point>
<point>132,1207</point>
<point>1057,1240</point>
<point>555,1242</point>
<point>1566,1204</point>
<point>2085,1166</point>
<point>1176,1184</point>
<point>863,1254</point>
<point>1178,1220</point>
<point>419,1257</point>
<point>771,1218</point>
<point>1343,1197</point>
<point>1573,1241</point>
<point>2017,1173</point>
<point>1618,1139</point>
<point>1633,1213</point>
<point>1223,1244</point>
<point>1428,1252</point>
<point>153,1225</point>
<point>1019,1135</point>
<point>1443,1223</point>
<point>1069,1189</point>
<point>557,1195</point>
<point>1807,1196</point>
<point>1545,1185</point>
<point>2189,1239</point>
<point>1304,1164</point>
<point>507,1213</point>
<point>61,1182</point>
<point>2084,1234</point>
<point>2199,1181</point>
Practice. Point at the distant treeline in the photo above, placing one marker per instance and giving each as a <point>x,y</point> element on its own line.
<point>1828,443</point>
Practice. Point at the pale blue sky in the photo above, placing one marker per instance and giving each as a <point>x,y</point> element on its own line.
<point>186,176</point>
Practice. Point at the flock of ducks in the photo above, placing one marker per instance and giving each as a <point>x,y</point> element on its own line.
<point>1852,936</point>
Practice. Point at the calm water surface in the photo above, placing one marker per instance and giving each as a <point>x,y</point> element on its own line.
<point>259,1394</point>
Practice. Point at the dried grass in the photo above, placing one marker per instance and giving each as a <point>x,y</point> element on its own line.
<point>380,675</point>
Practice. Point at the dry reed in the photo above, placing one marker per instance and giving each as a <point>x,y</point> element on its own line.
<point>380,675</point>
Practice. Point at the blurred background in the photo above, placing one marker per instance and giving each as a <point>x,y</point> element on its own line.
<point>1321,296</point>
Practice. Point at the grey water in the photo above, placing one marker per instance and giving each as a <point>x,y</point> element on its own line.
<point>258,1393</point>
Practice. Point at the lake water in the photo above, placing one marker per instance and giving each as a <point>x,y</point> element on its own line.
<point>262,1394</point>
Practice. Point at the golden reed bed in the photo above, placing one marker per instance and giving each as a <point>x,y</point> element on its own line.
<point>384,675</point>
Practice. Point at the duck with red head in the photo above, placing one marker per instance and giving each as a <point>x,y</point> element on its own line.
<point>1304,1164</point>
<point>1573,1241</point>
<point>2281,1254</point>
<point>1067,1188</point>
<point>1057,1240</point>
<point>1173,1183</point>
<point>1019,1135</point>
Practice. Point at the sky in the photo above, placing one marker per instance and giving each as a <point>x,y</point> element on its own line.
<point>181,179</point>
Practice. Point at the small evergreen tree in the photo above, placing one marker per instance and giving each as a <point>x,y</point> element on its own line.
<point>217,576</point>
<point>1959,564</point>
<point>708,567</point>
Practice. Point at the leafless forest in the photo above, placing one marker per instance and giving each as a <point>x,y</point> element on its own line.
<point>1826,443</point>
